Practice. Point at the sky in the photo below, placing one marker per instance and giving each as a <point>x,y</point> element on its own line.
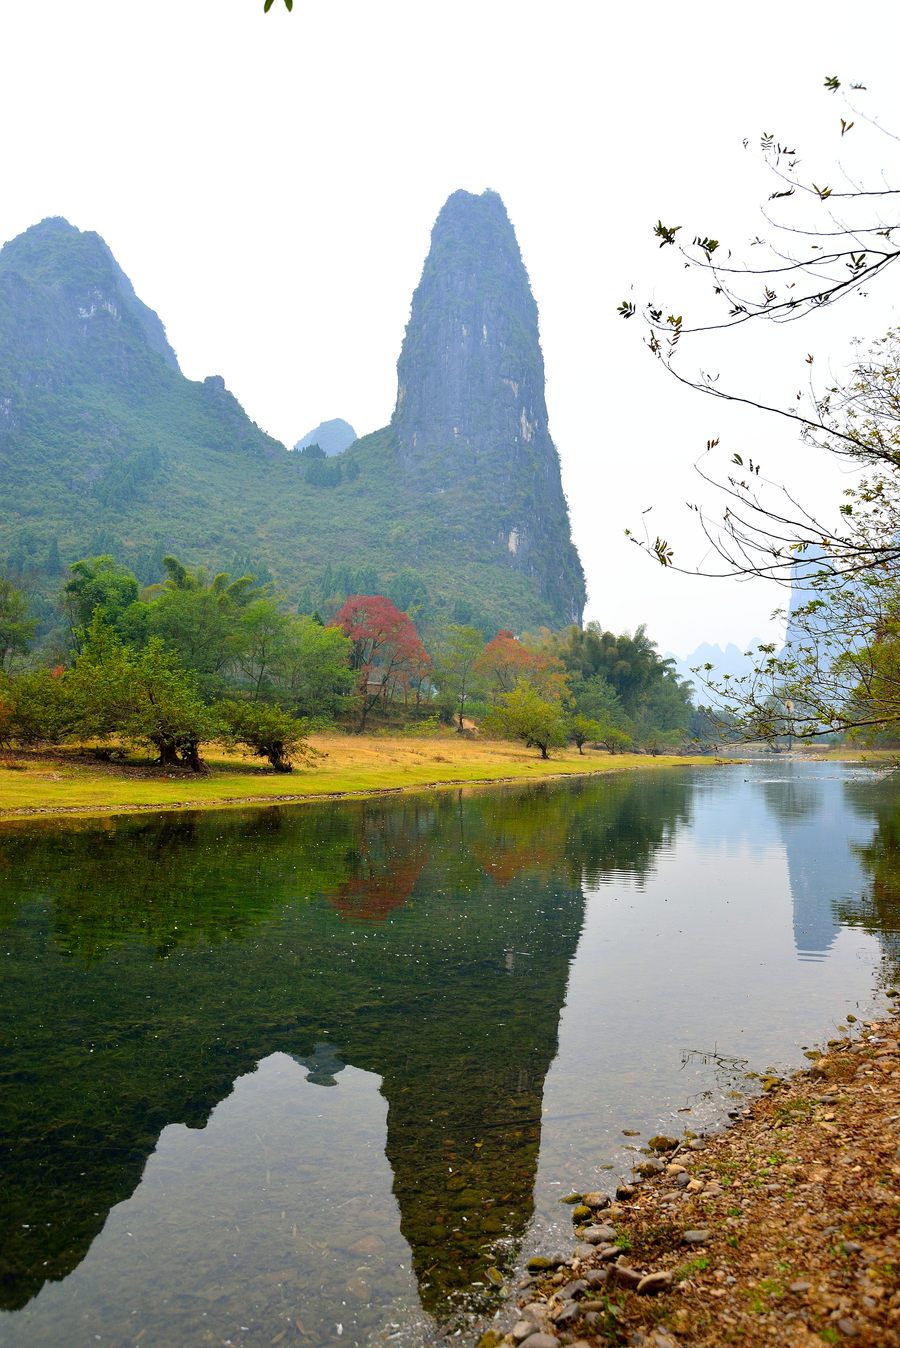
<point>269,183</point>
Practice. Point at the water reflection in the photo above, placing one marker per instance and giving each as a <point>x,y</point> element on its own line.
<point>877,909</point>
<point>428,941</point>
<point>808,803</point>
<point>420,946</point>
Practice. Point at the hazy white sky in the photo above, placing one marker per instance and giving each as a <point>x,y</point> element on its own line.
<point>269,183</point>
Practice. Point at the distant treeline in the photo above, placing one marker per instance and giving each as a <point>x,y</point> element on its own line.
<point>200,657</point>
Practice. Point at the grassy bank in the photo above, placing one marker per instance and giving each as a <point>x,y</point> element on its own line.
<point>71,783</point>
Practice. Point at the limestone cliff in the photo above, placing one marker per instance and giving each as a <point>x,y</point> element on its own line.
<point>470,422</point>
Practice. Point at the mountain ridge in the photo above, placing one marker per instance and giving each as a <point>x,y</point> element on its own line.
<point>105,446</point>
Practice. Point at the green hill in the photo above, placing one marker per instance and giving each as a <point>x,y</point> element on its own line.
<point>106,447</point>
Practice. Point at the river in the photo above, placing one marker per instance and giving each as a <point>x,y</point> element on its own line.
<point>321,1074</point>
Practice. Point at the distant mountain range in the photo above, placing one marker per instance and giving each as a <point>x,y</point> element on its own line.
<point>731,659</point>
<point>455,510</point>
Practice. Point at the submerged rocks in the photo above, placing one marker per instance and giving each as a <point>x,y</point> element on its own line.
<point>540,1263</point>
<point>788,1189</point>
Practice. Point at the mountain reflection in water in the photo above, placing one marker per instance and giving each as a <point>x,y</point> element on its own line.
<point>150,964</point>
<point>154,961</point>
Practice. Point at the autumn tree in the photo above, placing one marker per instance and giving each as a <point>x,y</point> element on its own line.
<point>385,646</point>
<point>506,660</point>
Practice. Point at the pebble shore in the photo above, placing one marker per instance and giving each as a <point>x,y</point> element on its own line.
<point>782,1230</point>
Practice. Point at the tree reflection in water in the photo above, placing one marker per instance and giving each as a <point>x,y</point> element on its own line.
<point>153,961</point>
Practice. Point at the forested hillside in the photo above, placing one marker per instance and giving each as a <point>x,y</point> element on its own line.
<point>105,447</point>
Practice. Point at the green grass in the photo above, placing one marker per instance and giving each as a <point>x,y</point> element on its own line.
<point>66,783</point>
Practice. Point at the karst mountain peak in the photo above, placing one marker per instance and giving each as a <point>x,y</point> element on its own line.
<point>471,416</point>
<point>455,508</point>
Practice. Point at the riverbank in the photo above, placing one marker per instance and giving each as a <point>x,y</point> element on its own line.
<point>71,783</point>
<point>785,1229</point>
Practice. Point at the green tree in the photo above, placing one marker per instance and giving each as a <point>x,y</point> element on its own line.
<point>313,670</point>
<point>263,641</point>
<point>16,628</point>
<point>582,729</point>
<point>167,710</point>
<point>144,697</point>
<point>523,714</point>
<point>268,731</point>
<point>200,617</point>
<point>456,666</point>
<point>98,586</point>
<point>36,708</point>
<point>614,738</point>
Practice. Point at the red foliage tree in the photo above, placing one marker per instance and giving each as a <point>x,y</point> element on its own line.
<point>506,660</point>
<point>386,648</point>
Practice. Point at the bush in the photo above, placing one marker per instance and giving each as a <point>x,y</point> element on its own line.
<point>37,708</point>
<point>267,731</point>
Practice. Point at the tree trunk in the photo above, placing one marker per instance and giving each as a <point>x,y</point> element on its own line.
<point>190,756</point>
<point>278,760</point>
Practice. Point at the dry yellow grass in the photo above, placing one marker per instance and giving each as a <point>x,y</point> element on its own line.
<point>69,783</point>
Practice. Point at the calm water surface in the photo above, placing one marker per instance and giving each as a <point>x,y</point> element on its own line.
<point>320,1075</point>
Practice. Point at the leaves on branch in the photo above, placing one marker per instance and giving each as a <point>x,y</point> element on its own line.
<point>663,552</point>
<point>665,232</point>
<point>267,5</point>
<point>626,309</point>
<point>846,126</point>
<point>832,83</point>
